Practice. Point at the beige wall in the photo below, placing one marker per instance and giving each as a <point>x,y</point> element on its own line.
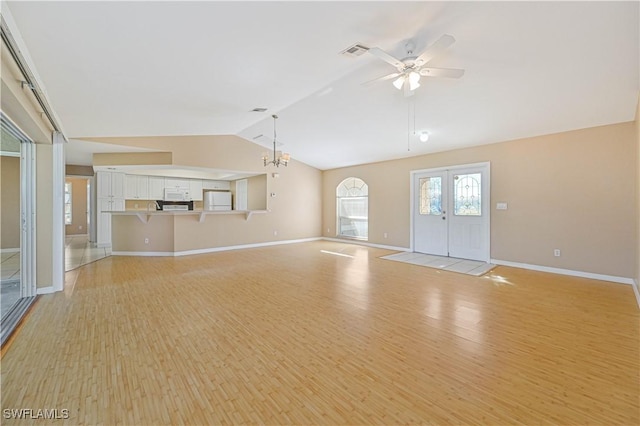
<point>132,158</point>
<point>75,170</point>
<point>10,199</point>
<point>570,191</point>
<point>294,213</point>
<point>129,234</point>
<point>78,206</point>
<point>257,192</point>
<point>637,194</point>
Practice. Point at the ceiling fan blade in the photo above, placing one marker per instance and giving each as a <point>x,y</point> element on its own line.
<point>442,72</point>
<point>386,57</point>
<point>435,49</point>
<point>383,78</point>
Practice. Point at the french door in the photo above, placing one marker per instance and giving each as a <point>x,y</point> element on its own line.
<point>451,211</point>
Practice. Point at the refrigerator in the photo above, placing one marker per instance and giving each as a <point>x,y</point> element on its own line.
<point>217,200</point>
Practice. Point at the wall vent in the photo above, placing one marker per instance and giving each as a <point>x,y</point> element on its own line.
<point>355,50</point>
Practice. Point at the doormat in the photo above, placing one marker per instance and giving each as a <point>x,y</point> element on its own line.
<point>452,264</point>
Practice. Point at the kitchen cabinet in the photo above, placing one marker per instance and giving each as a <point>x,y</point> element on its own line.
<point>174,183</point>
<point>222,185</point>
<point>110,184</point>
<point>136,187</point>
<point>110,197</point>
<point>156,187</point>
<point>195,189</point>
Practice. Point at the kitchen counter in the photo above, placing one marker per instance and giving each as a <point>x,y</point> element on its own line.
<point>146,215</point>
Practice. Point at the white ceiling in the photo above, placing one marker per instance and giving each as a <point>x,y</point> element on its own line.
<point>198,68</point>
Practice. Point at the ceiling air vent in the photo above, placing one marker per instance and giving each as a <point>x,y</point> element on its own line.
<point>258,110</point>
<point>355,50</point>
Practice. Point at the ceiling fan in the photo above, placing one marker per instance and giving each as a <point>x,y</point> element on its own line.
<point>412,67</point>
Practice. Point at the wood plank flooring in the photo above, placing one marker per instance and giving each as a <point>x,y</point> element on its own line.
<point>324,333</point>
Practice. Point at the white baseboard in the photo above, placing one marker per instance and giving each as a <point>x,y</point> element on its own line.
<point>601,277</point>
<point>212,249</point>
<point>45,290</point>
<point>364,243</point>
<point>143,253</point>
<point>636,291</point>
<point>10,250</point>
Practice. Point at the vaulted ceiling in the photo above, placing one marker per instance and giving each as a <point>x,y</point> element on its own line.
<point>199,68</point>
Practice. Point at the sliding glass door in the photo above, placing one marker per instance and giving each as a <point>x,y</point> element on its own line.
<point>17,225</point>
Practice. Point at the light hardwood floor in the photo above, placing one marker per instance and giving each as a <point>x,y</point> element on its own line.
<point>325,333</point>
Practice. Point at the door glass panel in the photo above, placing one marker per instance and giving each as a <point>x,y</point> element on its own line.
<point>431,195</point>
<point>466,193</point>
<point>10,225</point>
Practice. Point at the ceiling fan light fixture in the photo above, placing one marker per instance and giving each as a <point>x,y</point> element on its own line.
<point>414,79</point>
<point>399,82</point>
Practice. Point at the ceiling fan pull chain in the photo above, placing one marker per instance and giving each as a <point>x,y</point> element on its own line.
<point>413,101</point>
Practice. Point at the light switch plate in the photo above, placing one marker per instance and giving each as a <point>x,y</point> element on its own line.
<point>501,206</point>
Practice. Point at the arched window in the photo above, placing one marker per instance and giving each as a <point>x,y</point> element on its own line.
<point>352,201</point>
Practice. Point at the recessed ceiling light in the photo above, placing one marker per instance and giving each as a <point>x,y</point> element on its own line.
<point>424,136</point>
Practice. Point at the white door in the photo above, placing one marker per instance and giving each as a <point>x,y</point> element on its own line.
<point>451,212</point>
<point>430,214</point>
<point>469,218</point>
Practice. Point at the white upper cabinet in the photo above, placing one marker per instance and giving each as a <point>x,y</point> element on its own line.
<point>137,187</point>
<point>117,185</point>
<point>175,183</point>
<point>156,187</point>
<point>223,185</point>
<point>110,184</point>
<point>195,189</point>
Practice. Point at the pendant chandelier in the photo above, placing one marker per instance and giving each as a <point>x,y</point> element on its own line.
<point>278,156</point>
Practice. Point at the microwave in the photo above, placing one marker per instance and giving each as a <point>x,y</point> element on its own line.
<point>172,194</point>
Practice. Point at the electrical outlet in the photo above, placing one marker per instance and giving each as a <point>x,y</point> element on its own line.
<point>386,235</point>
<point>328,230</point>
<point>556,252</point>
<point>146,241</point>
<point>275,233</point>
<point>80,227</point>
